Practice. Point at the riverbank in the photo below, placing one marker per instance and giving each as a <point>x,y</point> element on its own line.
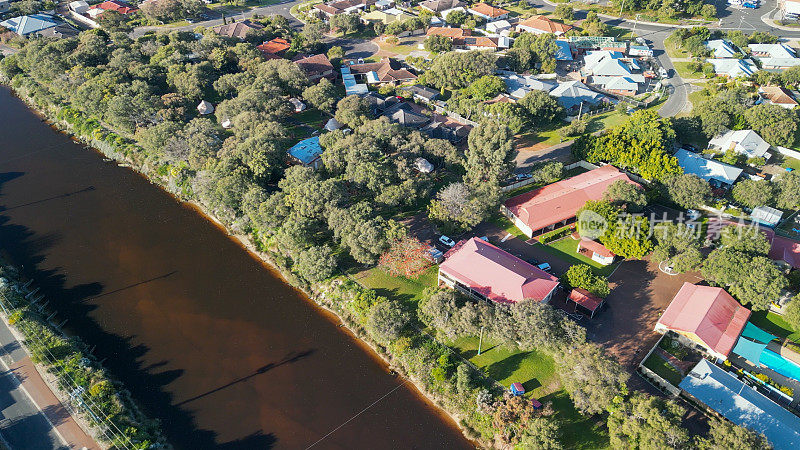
<point>102,409</point>
<point>316,294</point>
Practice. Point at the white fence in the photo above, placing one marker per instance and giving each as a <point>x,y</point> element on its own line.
<point>786,152</point>
<point>655,379</point>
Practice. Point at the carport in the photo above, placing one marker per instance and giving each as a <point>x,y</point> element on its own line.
<point>585,301</point>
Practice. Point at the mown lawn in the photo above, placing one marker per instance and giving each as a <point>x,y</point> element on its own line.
<point>507,226</point>
<point>660,366</point>
<point>536,372</point>
<point>552,136</point>
<point>406,290</point>
<point>774,324</point>
<point>567,250</point>
<point>682,67</point>
<point>674,51</point>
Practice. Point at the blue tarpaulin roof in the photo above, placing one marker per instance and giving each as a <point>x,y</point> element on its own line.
<point>754,333</point>
<point>742,405</point>
<point>307,150</point>
<point>564,53</point>
<point>749,350</point>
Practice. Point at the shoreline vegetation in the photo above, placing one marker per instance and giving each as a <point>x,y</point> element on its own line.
<point>73,374</point>
<point>331,310</point>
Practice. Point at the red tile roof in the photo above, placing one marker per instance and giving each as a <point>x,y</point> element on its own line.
<point>710,313</point>
<point>496,274</point>
<point>778,95</point>
<point>387,70</point>
<point>786,250</point>
<point>585,298</point>
<point>448,32</point>
<point>113,5</point>
<point>237,29</point>
<point>274,46</point>
<point>595,247</point>
<point>487,10</point>
<point>475,41</point>
<point>315,65</point>
<point>561,200</point>
<point>545,24</point>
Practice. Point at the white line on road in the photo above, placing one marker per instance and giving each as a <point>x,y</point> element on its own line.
<point>505,238</point>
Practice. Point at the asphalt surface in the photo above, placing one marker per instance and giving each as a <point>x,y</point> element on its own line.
<point>22,424</point>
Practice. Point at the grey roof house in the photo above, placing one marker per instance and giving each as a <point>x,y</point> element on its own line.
<point>715,172</point>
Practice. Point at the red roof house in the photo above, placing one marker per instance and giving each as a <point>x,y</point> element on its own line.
<point>708,316</point>
<point>556,203</point>
<point>487,12</point>
<point>542,24</point>
<point>274,47</point>
<point>481,270</point>
<point>316,67</point>
<point>785,250</point>
<point>596,251</point>
<point>587,301</point>
<point>114,5</point>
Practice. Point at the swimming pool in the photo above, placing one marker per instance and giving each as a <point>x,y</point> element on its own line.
<point>779,364</point>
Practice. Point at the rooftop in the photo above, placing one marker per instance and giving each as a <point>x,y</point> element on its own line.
<point>585,298</point>
<point>275,46</point>
<point>710,313</point>
<point>496,274</point>
<point>707,169</point>
<point>307,150</point>
<point>488,10</point>
<point>561,200</point>
<point>746,142</point>
<point>742,405</point>
<point>546,25</point>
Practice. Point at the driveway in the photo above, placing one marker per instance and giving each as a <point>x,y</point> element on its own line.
<point>357,48</point>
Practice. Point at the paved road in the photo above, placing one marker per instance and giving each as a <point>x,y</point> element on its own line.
<point>23,425</point>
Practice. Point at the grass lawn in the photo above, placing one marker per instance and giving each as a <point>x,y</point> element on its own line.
<point>682,67</point>
<point>658,365</point>
<point>406,290</point>
<point>507,226</point>
<point>312,117</point>
<point>792,163</point>
<point>567,250</point>
<point>552,137</point>
<point>403,47</point>
<point>536,372</point>
<point>674,51</point>
<point>774,324</point>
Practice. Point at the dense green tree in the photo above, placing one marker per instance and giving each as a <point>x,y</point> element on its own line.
<point>564,11</point>
<point>724,435</point>
<point>645,422</point>
<point>753,280</point>
<point>456,70</point>
<point>582,276</point>
<point>627,195</point>
<point>386,321</point>
<point>591,377</point>
<point>788,188</point>
<point>775,124</point>
<point>678,246</point>
<point>486,87</point>
<point>687,190</point>
<point>352,111</point>
<point>438,44</point>
<point>347,23</point>
<point>490,154</point>
<point>753,193</point>
<point>547,172</point>
<point>792,313</point>
<point>456,17</point>
<point>745,239</point>
<point>315,263</point>
<point>464,207</point>
<point>542,108</point>
<point>321,95</point>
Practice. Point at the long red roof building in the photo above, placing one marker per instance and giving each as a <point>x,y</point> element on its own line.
<point>478,267</point>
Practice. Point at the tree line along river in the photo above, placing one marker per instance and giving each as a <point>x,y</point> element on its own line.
<point>207,338</point>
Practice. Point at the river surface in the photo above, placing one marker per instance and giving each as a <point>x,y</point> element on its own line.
<point>205,337</point>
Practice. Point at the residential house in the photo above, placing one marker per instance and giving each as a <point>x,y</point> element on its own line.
<point>617,85</point>
<point>481,43</point>
<point>115,5</point>
<point>500,98</point>
<point>5,6</point>
<point>572,94</point>
<point>386,16</point>
<point>387,71</point>
<point>482,271</point>
<point>777,56</point>
<point>405,115</point>
<point>542,25</point>
<point>422,93</point>
<point>745,142</point>
<point>331,9</point>
<point>60,31</point>
<point>766,215</point>
<point>452,33</point>
<point>351,86</point>
<point>611,71</point>
<point>316,67</point>
<point>451,131</point>
<point>438,6</point>
<point>79,6</point>
<point>733,68</point>
<point>706,315</point>
<point>595,251</point>
<point>640,50</point>
<point>498,26</point>
<point>307,152</point>
<point>790,9</point>
<point>721,48</point>
<point>717,173</point>
<point>742,404</point>
<point>384,4</point>
<point>275,48</point>
<point>30,24</point>
<point>487,12</point>
<point>785,250</point>
<point>556,204</point>
<point>378,103</point>
<point>519,85</point>
<point>237,29</point>
<point>776,95</point>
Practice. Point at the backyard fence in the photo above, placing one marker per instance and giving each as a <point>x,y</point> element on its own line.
<point>655,379</point>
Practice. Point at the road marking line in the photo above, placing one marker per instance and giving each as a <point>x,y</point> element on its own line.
<point>505,238</point>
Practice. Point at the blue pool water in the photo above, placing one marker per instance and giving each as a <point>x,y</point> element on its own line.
<point>779,364</point>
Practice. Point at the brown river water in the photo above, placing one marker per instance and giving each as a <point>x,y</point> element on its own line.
<point>207,338</point>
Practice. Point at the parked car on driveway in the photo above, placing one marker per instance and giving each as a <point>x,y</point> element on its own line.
<point>446,241</point>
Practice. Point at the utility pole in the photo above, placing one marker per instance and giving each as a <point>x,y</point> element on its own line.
<point>480,342</point>
<point>621,8</point>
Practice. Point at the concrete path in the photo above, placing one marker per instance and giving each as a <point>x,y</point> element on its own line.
<point>32,416</point>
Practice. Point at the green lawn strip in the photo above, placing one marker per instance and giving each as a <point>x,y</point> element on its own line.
<point>567,250</point>
<point>774,324</point>
<point>577,430</point>
<point>682,67</point>
<point>507,226</point>
<point>673,50</point>
<point>790,163</point>
<point>406,290</point>
<point>662,368</point>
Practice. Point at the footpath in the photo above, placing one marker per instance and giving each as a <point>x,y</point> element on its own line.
<point>33,419</point>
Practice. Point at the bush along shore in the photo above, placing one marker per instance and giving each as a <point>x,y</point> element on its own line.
<point>98,403</point>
